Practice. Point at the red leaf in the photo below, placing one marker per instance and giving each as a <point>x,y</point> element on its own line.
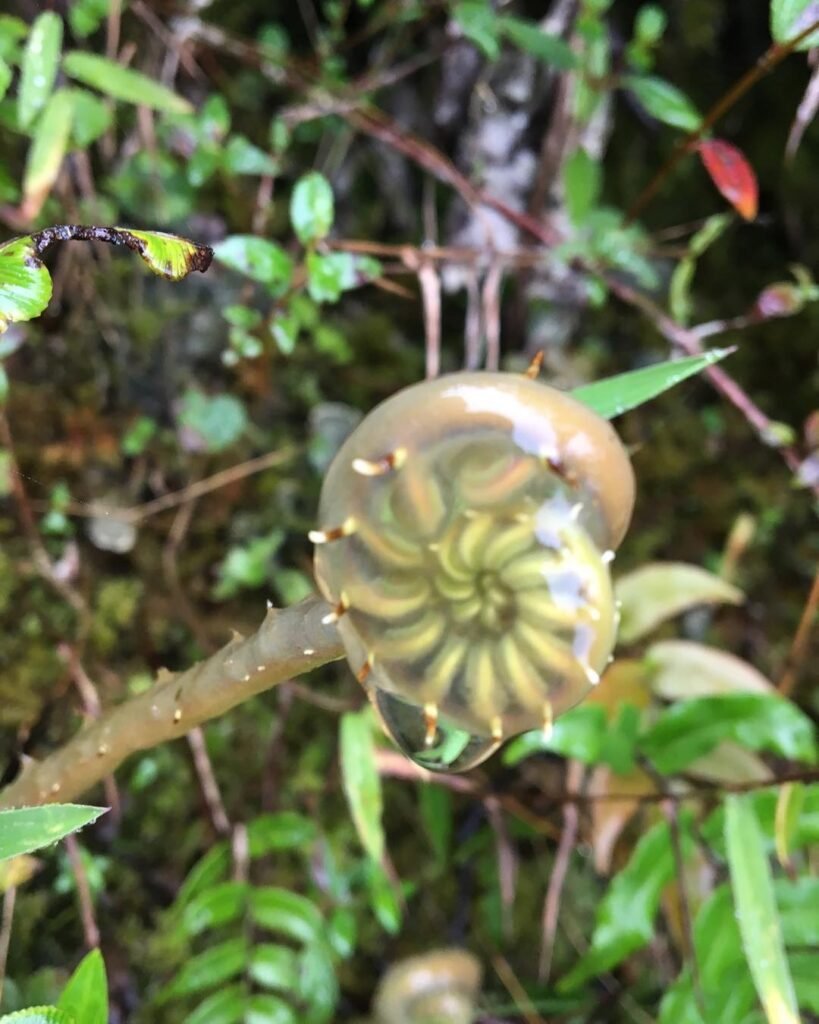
<point>732,174</point>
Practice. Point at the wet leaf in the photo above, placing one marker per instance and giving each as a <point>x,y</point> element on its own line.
<point>664,101</point>
<point>688,730</point>
<point>615,395</point>
<point>38,72</point>
<point>38,1015</point>
<point>48,148</point>
<point>757,913</point>
<point>121,83</point>
<point>791,17</point>
<point>25,284</point>
<point>85,997</point>
<point>659,591</point>
<point>361,781</point>
<point>170,256</point>
<point>625,918</point>
<point>31,828</point>
<point>682,669</point>
<point>312,207</point>
<point>732,174</point>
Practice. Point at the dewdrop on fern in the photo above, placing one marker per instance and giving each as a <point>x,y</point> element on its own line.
<point>468,526</point>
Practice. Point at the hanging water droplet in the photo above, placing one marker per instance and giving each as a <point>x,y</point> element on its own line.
<point>453,749</point>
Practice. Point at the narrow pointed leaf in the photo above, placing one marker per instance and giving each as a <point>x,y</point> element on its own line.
<point>48,148</point>
<point>664,101</point>
<point>732,174</point>
<point>122,83</point>
<point>85,997</point>
<point>31,828</point>
<point>41,58</point>
<point>757,913</point>
<point>615,395</point>
<point>362,783</point>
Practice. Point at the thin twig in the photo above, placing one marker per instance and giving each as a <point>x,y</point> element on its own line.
<point>90,928</point>
<point>801,639</point>
<point>6,922</point>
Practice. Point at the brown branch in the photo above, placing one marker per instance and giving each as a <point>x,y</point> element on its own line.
<point>289,642</point>
<point>799,647</point>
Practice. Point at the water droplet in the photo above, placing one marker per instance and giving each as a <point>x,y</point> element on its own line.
<point>453,750</point>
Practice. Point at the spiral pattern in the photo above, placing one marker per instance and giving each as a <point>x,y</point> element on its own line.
<point>468,567</point>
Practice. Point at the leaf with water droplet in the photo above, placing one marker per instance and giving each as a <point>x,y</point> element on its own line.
<point>615,395</point>
<point>25,284</point>
<point>30,828</point>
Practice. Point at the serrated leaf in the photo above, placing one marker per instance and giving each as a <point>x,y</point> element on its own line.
<point>789,18</point>
<point>659,591</point>
<point>85,997</point>
<point>38,72</point>
<point>730,171</point>
<point>38,1015</point>
<point>361,781</point>
<point>664,101</point>
<point>170,256</point>
<point>49,145</point>
<point>757,913</point>
<point>682,669</point>
<point>615,395</point>
<point>121,83</point>
<point>25,284</point>
<point>312,207</point>
<point>687,730</point>
<point>31,828</point>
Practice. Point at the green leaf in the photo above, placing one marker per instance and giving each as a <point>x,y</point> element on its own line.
<point>285,913</point>
<point>38,1015</point>
<point>664,101</point>
<point>659,591</point>
<point>169,256</point>
<point>38,73</point>
<point>361,781</point>
<point>5,77</point>
<point>479,24</point>
<point>530,38</point>
<point>581,182</point>
<point>318,987</point>
<point>791,17</point>
<point>286,830</point>
<point>48,148</point>
<point>218,905</point>
<point>242,157</point>
<point>92,117</point>
<point>25,284</point>
<point>311,207</point>
<point>789,805</point>
<point>268,1009</point>
<point>330,274</point>
<point>615,395</point>
<point>86,16</point>
<point>625,918</point>
<point>342,929</point>
<point>12,32</point>
<point>224,1007</point>
<point>218,964</point>
<point>274,967</point>
<point>757,914</point>
<point>256,258</point>
<point>383,898</point>
<point>436,811</point>
<point>687,730</point>
<point>579,734</point>
<point>121,83</point>
<point>213,423</point>
<point>85,997</point>
<point>31,828</point>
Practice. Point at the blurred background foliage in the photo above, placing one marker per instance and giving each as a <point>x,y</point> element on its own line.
<point>338,154</point>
